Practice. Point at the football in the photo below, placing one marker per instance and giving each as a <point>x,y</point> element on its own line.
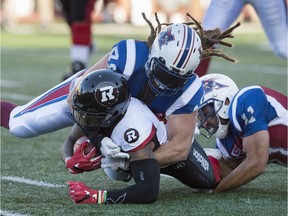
<point>87,149</point>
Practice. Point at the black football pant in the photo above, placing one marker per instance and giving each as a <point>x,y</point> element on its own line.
<point>195,172</point>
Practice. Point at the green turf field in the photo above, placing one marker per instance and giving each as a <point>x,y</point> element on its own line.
<point>33,176</point>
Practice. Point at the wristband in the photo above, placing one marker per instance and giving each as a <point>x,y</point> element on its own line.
<point>102,195</point>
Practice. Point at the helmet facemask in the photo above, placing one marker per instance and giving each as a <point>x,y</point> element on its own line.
<point>209,122</point>
<point>165,81</point>
<point>88,119</point>
<point>96,120</point>
<point>219,92</point>
<point>173,57</point>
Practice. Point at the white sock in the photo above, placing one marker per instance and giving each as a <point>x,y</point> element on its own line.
<point>80,53</point>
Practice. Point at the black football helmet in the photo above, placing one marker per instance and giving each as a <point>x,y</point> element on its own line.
<point>101,99</point>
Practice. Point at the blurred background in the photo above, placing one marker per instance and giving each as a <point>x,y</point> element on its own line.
<point>36,42</point>
<point>46,12</point>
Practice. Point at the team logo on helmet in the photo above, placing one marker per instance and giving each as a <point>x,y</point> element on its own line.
<point>210,85</point>
<point>106,94</point>
<point>165,37</point>
<point>131,135</point>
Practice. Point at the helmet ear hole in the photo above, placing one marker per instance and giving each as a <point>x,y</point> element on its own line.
<point>227,101</point>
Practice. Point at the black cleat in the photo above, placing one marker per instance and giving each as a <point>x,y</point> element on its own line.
<point>75,67</point>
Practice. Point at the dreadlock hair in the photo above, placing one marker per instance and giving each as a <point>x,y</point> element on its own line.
<point>208,38</point>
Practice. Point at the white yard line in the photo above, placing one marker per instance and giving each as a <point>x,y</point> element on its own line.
<point>25,181</point>
<point>30,182</point>
<point>41,183</point>
<point>9,213</point>
<point>14,96</point>
<point>11,83</point>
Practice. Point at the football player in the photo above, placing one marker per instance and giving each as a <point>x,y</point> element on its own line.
<point>272,14</point>
<point>250,126</point>
<point>160,72</point>
<point>102,103</point>
<point>78,17</point>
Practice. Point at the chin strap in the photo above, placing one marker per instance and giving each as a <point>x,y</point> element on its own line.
<point>222,129</point>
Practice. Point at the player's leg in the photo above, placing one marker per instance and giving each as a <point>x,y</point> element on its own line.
<point>81,35</point>
<point>6,108</point>
<point>278,132</point>
<point>46,113</point>
<point>273,16</point>
<point>220,14</point>
<point>203,67</point>
<point>278,144</point>
<point>199,171</point>
<point>65,4</point>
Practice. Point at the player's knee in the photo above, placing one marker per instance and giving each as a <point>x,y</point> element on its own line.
<point>22,131</point>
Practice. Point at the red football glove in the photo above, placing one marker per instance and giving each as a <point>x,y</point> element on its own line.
<point>82,194</point>
<point>79,162</point>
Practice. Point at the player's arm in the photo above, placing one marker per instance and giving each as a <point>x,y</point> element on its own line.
<point>146,174</point>
<point>256,147</point>
<point>180,129</point>
<point>227,166</point>
<point>67,147</point>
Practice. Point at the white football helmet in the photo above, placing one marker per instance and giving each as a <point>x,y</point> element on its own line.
<point>173,57</point>
<point>219,92</point>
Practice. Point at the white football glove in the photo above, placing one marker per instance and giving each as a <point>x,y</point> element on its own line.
<point>111,150</point>
<point>115,163</point>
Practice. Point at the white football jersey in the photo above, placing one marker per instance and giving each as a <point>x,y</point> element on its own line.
<point>138,126</point>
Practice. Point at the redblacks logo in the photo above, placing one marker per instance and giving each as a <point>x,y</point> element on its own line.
<point>107,94</point>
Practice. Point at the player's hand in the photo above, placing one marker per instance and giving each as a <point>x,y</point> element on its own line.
<point>115,163</point>
<point>82,194</point>
<point>79,162</point>
<point>111,149</point>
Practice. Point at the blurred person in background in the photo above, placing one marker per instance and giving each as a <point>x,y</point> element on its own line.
<point>272,14</point>
<point>78,17</point>
<point>250,126</point>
